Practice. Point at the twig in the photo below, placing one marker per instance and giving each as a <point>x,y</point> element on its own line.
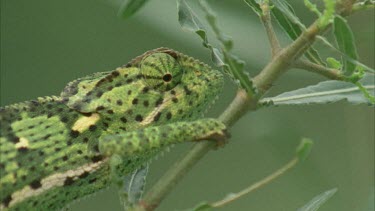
<point>266,20</point>
<point>363,6</point>
<point>330,73</point>
<point>257,185</point>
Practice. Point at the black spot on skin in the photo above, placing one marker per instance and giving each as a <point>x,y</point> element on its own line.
<point>173,92</point>
<point>84,174</point>
<point>180,111</point>
<point>159,101</point>
<point>129,80</point>
<point>32,168</point>
<point>68,181</point>
<point>157,117</point>
<point>49,115</point>
<point>41,153</point>
<point>35,203</point>
<point>145,89</point>
<point>96,148</point>
<point>92,180</point>
<point>115,73</point>
<point>118,84</point>
<point>7,200</point>
<point>92,128</point>
<point>190,103</point>
<point>57,149</point>
<point>85,140</point>
<point>56,168</point>
<point>187,91</point>
<point>129,92</point>
<point>96,158</point>
<point>99,94</point>
<point>138,118</point>
<point>47,136</point>
<point>65,158</point>
<point>123,119</point>
<point>110,88</point>
<point>169,115</point>
<point>74,133</point>
<point>99,108</point>
<point>79,152</point>
<point>60,110</point>
<point>15,139</point>
<point>69,142</point>
<point>31,127</point>
<point>175,100</point>
<point>146,103</point>
<point>135,101</point>
<point>23,149</point>
<point>110,112</point>
<point>64,119</point>
<point>35,184</point>
<point>119,102</point>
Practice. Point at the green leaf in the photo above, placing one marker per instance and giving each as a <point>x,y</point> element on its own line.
<point>318,201</point>
<point>328,14</point>
<point>345,40</point>
<point>211,19</point>
<point>130,7</point>
<point>333,63</point>
<point>294,30</point>
<point>230,63</point>
<point>288,11</point>
<point>189,21</point>
<point>345,56</point>
<point>254,6</point>
<point>327,92</point>
<point>304,149</point>
<point>236,67</point>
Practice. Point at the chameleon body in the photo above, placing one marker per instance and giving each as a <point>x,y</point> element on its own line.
<point>102,127</point>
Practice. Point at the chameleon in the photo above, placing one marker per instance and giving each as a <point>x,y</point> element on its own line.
<point>103,128</point>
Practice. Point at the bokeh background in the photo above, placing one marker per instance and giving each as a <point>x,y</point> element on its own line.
<point>45,44</point>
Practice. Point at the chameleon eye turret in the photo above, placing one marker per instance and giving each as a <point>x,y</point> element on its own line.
<point>161,71</point>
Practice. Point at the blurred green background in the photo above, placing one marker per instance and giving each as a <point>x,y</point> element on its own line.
<point>45,44</point>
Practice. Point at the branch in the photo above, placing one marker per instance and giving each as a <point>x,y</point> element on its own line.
<point>257,185</point>
<point>266,20</point>
<point>330,73</point>
<point>238,108</point>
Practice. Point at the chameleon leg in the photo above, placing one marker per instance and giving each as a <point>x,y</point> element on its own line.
<point>144,141</point>
<point>148,139</point>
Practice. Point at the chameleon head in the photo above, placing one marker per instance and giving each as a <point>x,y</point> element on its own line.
<point>160,85</point>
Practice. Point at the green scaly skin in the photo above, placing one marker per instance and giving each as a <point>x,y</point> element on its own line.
<point>55,150</point>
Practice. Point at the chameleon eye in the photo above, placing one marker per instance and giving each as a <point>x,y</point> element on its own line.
<point>161,71</point>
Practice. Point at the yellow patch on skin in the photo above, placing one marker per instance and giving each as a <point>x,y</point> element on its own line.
<point>52,181</point>
<point>22,143</point>
<point>85,122</point>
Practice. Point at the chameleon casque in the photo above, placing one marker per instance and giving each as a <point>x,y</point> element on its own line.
<point>102,128</point>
